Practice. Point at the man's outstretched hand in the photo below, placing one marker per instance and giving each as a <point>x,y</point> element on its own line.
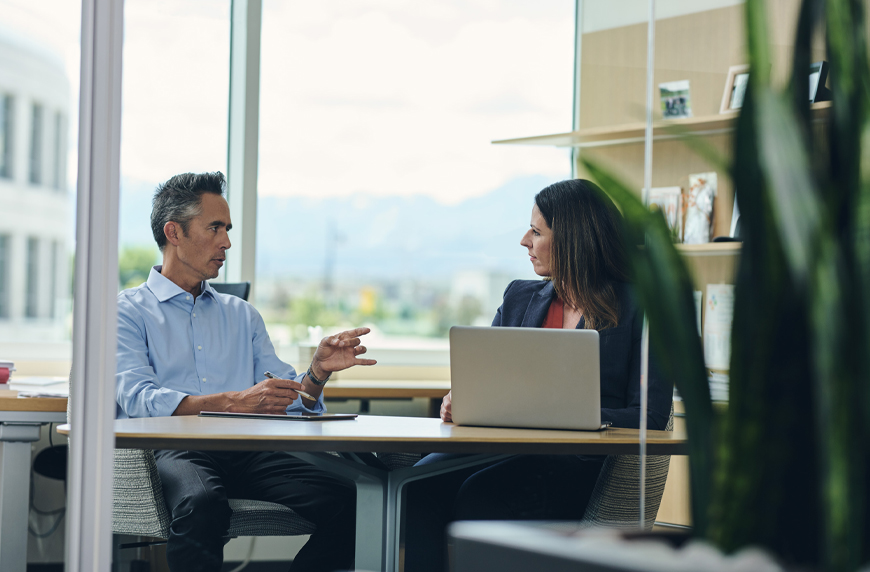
<point>339,352</point>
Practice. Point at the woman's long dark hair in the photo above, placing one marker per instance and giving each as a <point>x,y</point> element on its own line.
<point>587,253</point>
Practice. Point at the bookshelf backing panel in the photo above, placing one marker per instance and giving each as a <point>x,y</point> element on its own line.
<point>673,162</point>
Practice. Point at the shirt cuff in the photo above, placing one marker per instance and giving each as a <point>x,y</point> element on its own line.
<point>163,402</point>
<point>298,406</point>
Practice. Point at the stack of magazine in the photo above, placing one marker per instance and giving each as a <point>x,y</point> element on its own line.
<point>718,386</point>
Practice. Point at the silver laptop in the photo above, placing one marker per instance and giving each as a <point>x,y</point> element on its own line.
<point>525,377</point>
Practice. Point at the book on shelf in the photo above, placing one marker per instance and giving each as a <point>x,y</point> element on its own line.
<point>718,386</point>
<point>718,314</point>
<point>698,208</point>
<point>669,200</point>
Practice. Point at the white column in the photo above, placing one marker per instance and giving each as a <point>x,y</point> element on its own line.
<point>89,516</point>
<point>243,138</point>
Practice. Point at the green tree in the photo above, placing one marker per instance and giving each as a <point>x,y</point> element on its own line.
<point>134,264</point>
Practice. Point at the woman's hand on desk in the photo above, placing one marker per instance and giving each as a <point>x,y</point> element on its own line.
<point>446,407</point>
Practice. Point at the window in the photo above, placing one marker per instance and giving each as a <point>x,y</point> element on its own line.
<point>58,152</point>
<point>31,304</point>
<point>36,144</point>
<point>6,132</point>
<point>376,122</point>
<point>56,253</point>
<point>4,276</point>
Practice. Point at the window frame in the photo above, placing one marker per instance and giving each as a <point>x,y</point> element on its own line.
<point>7,136</point>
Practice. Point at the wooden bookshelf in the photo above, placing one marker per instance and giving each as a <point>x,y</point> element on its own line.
<point>711,249</point>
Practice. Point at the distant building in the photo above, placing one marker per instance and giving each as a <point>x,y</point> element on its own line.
<point>35,206</point>
<point>484,286</point>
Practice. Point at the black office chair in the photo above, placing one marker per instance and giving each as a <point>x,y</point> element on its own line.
<point>240,289</point>
<point>51,462</point>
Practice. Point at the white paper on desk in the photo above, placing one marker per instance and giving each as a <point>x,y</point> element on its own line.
<point>37,380</point>
<point>717,325</point>
<point>34,394</point>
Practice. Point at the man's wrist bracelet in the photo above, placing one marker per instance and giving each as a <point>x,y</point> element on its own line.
<point>314,380</point>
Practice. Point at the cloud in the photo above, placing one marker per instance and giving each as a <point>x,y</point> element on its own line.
<point>381,100</point>
<point>175,88</point>
<point>387,97</point>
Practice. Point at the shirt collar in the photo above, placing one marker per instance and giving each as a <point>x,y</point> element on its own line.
<point>165,289</point>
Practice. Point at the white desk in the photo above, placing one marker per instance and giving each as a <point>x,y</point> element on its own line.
<point>379,492</point>
<point>20,421</point>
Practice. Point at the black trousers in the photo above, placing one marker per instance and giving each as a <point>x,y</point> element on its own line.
<point>197,484</point>
<point>525,487</point>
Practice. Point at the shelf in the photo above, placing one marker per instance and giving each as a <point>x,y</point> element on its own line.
<point>711,249</point>
<point>708,249</point>
<point>634,132</point>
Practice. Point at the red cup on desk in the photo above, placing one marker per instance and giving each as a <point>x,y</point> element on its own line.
<point>6,369</point>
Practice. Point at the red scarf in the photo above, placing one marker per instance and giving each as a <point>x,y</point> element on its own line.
<point>555,314</point>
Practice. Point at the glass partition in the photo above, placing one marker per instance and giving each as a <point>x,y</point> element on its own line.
<point>39,76</point>
<point>699,77</point>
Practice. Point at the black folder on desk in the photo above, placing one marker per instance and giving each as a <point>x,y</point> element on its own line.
<point>282,416</point>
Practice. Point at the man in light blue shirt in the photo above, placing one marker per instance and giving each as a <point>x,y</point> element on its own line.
<point>184,348</point>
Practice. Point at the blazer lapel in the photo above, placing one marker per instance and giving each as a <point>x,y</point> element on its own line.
<point>538,306</point>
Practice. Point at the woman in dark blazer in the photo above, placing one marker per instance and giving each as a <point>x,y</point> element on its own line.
<point>575,243</point>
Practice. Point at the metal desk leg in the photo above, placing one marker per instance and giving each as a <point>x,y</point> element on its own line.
<point>379,501</point>
<point>15,493</point>
<point>371,523</point>
<point>371,513</point>
<point>396,481</point>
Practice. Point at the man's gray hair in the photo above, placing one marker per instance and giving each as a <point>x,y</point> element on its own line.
<point>180,200</point>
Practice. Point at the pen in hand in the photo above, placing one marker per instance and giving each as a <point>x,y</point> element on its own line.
<point>271,375</point>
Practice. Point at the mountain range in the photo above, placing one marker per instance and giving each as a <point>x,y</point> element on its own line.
<point>374,236</point>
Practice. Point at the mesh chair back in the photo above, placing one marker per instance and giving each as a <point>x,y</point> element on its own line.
<point>615,501</point>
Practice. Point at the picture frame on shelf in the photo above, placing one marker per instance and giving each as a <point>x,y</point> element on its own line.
<point>735,89</point>
<point>735,221</point>
<point>818,78</point>
<point>676,100</point>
